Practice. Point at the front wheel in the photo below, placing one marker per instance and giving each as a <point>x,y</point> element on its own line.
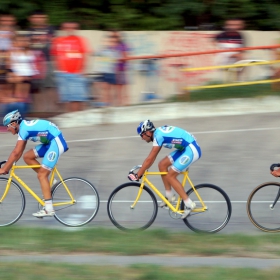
<point>12,206</point>
<point>218,211</point>
<point>263,207</point>
<point>120,210</point>
<point>84,207</point>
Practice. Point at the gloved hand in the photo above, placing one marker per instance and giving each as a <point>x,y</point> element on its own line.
<point>132,177</point>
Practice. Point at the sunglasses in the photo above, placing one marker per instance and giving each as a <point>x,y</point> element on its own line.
<point>142,134</point>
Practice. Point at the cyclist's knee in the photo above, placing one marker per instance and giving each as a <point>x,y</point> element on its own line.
<point>163,165</point>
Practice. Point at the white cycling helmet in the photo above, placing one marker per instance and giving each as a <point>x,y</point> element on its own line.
<point>146,125</point>
<point>13,116</point>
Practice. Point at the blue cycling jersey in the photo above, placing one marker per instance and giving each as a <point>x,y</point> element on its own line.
<point>172,137</point>
<point>38,130</point>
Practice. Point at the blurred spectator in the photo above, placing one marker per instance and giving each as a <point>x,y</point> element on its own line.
<point>21,64</point>
<point>276,67</point>
<point>70,53</point>
<point>106,64</point>
<point>41,35</point>
<point>229,39</point>
<point>7,31</point>
<point>121,70</point>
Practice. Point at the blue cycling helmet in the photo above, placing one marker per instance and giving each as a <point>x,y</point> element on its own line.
<point>146,125</point>
<point>13,116</point>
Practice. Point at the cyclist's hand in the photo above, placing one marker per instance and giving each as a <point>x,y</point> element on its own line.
<point>132,177</point>
<point>3,171</point>
<point>276,173</point>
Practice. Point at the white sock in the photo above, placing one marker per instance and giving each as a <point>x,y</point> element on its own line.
<point>188,202</point>
<point>48,205</point>
<point>168,194</point>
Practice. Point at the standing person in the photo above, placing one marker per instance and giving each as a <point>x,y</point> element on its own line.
<point>70,52</point>
<point>186,153</point>
<point>121,70</point>
<point>106,64</point>
<point>51,148</point>
<point>7,32</point>
<point>41,35</point>
<point>21,64</point>
<point>231,38</point>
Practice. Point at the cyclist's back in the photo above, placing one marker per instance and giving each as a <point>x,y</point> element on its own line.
<point>38,130</point>
<point>172,137</point>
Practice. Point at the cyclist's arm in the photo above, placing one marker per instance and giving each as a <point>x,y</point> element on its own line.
<point>148,162</point>
<point>14,156</point>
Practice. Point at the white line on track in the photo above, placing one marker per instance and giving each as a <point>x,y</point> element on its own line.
<point>235,201</point>
<point>195,133</point>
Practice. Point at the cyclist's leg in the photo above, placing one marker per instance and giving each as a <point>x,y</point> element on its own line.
<point>163,167</point>
<point>52,152</point>
<point>181,160</point>
<point>30,156</point>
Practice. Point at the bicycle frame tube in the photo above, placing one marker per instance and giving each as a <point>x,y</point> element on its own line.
<point>174,209</point>
<point>22,183</point>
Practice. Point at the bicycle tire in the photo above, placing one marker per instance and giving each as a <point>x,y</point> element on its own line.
<point>86,206</point>
<point>123,216</point>
<point>259,205</point>
<point>218,204</point>
<point>12,207</point>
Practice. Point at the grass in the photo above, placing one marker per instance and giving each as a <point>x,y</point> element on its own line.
<point>27,271</point>
<point>16,240</point>
<point>249,91</point>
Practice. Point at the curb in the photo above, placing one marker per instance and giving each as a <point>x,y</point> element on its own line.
<point>114,115</point>
<point>97,259</point>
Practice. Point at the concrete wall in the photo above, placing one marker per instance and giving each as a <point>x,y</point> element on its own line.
<point>170,80</point>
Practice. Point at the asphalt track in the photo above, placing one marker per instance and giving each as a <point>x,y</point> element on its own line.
<point>236,154</point>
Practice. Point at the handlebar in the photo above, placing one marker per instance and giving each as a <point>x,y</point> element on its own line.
<point>2,162</point>
<point>274,165</point>
<point>135,168</point>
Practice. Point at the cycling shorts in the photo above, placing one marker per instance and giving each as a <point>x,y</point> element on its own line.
<point>51,152</point>
<point>181,160</point>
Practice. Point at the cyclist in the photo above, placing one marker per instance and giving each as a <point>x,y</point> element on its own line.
<point>51,147</point>
<point>187,152</point>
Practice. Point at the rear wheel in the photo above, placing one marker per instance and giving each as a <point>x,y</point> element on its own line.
<point>85,206</point>
<point>218,210</point>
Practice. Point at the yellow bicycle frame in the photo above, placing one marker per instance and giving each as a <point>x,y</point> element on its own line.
<point>174,209</point>
<point>21,182</point>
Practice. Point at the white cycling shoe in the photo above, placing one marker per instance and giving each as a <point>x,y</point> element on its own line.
<point>164,205</point>
<point>188,211</point>
<point>43,213</point>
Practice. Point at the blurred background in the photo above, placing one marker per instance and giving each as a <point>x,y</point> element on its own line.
<point>98,68</point>
<point>70,56</point>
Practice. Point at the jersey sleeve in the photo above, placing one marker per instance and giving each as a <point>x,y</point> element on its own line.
<point>158,139</point>
<point>23,135</point>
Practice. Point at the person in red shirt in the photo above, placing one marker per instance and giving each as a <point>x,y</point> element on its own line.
<point>69,53</point>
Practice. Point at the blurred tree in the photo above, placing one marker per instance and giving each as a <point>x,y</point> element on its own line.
<point>149,14</point>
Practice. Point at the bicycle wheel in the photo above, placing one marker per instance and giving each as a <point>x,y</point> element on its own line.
<point>260,209</point>
<point>218,210</point>
<point>12,207</point>
<point>86,202</point>
<point>123,216</point>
